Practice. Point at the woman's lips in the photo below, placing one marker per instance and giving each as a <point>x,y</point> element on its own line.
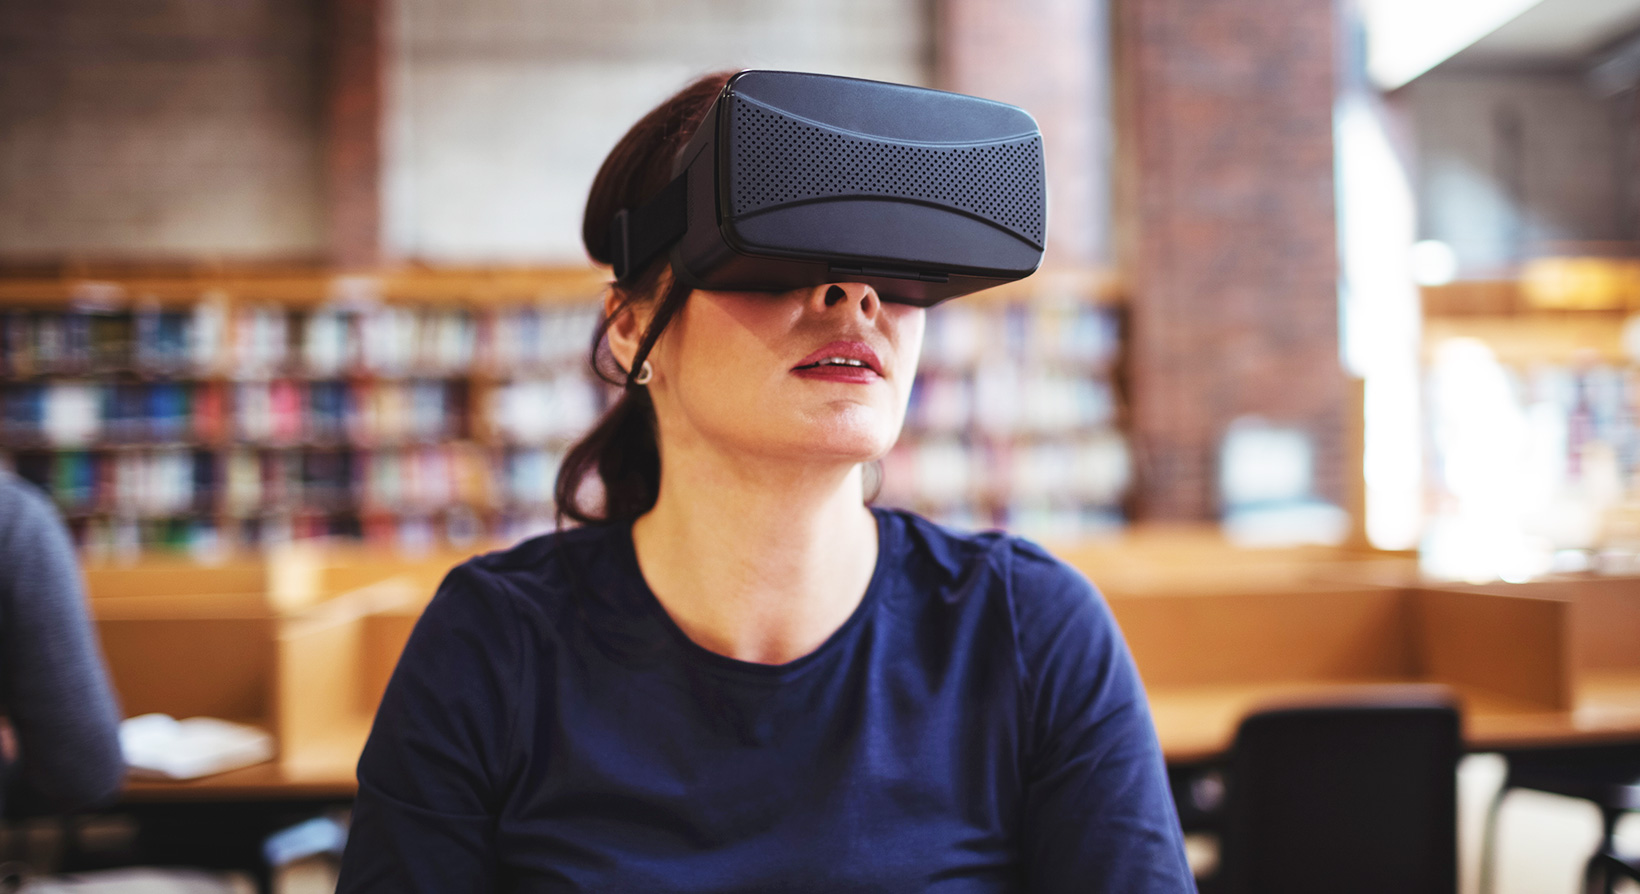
<point>869,367</point>
<point>860,375</point>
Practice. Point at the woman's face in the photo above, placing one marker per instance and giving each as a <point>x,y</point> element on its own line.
<point>819,374</point>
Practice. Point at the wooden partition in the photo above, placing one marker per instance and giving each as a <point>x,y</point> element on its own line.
<point>1604,625</point>
<point>1601,633</point>
<point>1193,559</point>
<point>300,645</point>
<point>175,577</point>
<point>385,634</point>
<point>189,655</point>
<point>304,645</point>
<point>1208,658</point>
<point>1269,636</point>
<point>1512,645</point>
<point>326,673</point>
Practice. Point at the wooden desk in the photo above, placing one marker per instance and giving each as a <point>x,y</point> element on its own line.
<point>322,770</point>
<point>300,644</point>
<point>1550,663</point>
<point>271,781</point>
<point>1540,664</point>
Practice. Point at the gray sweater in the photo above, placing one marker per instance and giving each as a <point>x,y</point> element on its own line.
<point>53,685</point>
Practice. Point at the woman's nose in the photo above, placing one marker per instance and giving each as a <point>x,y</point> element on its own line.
<point>850,293</point>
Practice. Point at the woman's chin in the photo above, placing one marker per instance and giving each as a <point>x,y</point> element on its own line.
<point>847,451</point>
<point>828,445</point>
<point>850,437</point>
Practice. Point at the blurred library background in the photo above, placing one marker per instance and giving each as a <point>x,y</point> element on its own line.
<point>293,304</point>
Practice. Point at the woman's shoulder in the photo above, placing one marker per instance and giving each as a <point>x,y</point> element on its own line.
<point>1024,566</point>
<point>1002,577</point>
<point>1009,589</point>
<point>538,574</point>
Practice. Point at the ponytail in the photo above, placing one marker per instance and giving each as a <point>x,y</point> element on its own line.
<point>622,449</point>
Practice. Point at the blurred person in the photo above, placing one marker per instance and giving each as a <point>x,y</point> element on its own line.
<point>735,674</point>
<point>62,747</point>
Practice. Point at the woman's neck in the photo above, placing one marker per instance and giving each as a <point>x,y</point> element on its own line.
<point>759,561</point>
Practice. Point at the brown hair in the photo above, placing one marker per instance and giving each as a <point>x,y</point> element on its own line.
<point>622,449</point>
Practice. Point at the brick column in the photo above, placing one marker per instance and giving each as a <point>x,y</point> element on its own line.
<point>1226,235</point>
<point>1051,58</point>
<point>354,31</point>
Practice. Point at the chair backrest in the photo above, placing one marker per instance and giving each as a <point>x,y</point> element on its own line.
<point>1344,798</point>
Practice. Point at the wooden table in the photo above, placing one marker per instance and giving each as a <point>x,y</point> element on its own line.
<point>1216,631</point>
<point>1547,663</point>
<point>320,771</point>
<point>1194,723</point>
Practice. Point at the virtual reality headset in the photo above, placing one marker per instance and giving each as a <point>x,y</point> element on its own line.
<point>796,180</point>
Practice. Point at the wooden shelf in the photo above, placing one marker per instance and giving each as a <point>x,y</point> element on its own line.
<point>472,287</point>
<point>1562,338</point>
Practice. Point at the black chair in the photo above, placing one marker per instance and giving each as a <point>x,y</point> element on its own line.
<point>1607,776</point>
<point>1345,798</point>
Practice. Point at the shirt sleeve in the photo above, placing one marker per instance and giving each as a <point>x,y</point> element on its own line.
<point>433,775</point>
<point>55,686</point>
<point>1099,815</point>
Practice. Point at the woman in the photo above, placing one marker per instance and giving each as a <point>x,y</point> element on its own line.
<point>737,676</point>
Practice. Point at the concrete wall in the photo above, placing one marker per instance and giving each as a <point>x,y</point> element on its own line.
<point>160,129</point>
<point>500,111</point>
<point>1511,163</point>
<point>191,129</point>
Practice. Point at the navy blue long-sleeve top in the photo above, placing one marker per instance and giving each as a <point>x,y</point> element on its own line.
<point>975,726</point>
<point>53,686</point>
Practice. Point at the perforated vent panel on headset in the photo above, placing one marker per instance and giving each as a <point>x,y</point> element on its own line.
<point>779,160</point>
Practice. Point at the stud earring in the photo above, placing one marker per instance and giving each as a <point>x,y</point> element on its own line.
<point>645,373</point>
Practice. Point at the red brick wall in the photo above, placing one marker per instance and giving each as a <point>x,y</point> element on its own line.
<point>353,119</point>
<point>1226,234</point>
<point>1051,58</point>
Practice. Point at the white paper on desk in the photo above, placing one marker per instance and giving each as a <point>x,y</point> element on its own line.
<point>160,746</point>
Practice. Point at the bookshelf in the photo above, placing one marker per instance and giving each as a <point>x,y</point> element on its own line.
<point>1532,386</point>
<point>212,412</point>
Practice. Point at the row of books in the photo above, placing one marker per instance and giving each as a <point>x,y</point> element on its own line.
<point>168,481</point>
<point>1572,426</point>
<point>80,413</point>
<point>1072,335</point>
<point>1531,466</point>
<point>933,475</point>
<point>529,475</point>
<point>152,483</point>
<point>936,474</point>
<point>244,424</point>
<point>547,410</point>
<point>105,538</point>
<point>393,479</point>
<point>396,340</point>
<point>125,537</point>
<point>1046,521</point>
<point>268,340</point>
<point>1001,400</point>
<point>995,399</point>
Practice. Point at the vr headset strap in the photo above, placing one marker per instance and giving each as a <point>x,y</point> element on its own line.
<point>636,237</point>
